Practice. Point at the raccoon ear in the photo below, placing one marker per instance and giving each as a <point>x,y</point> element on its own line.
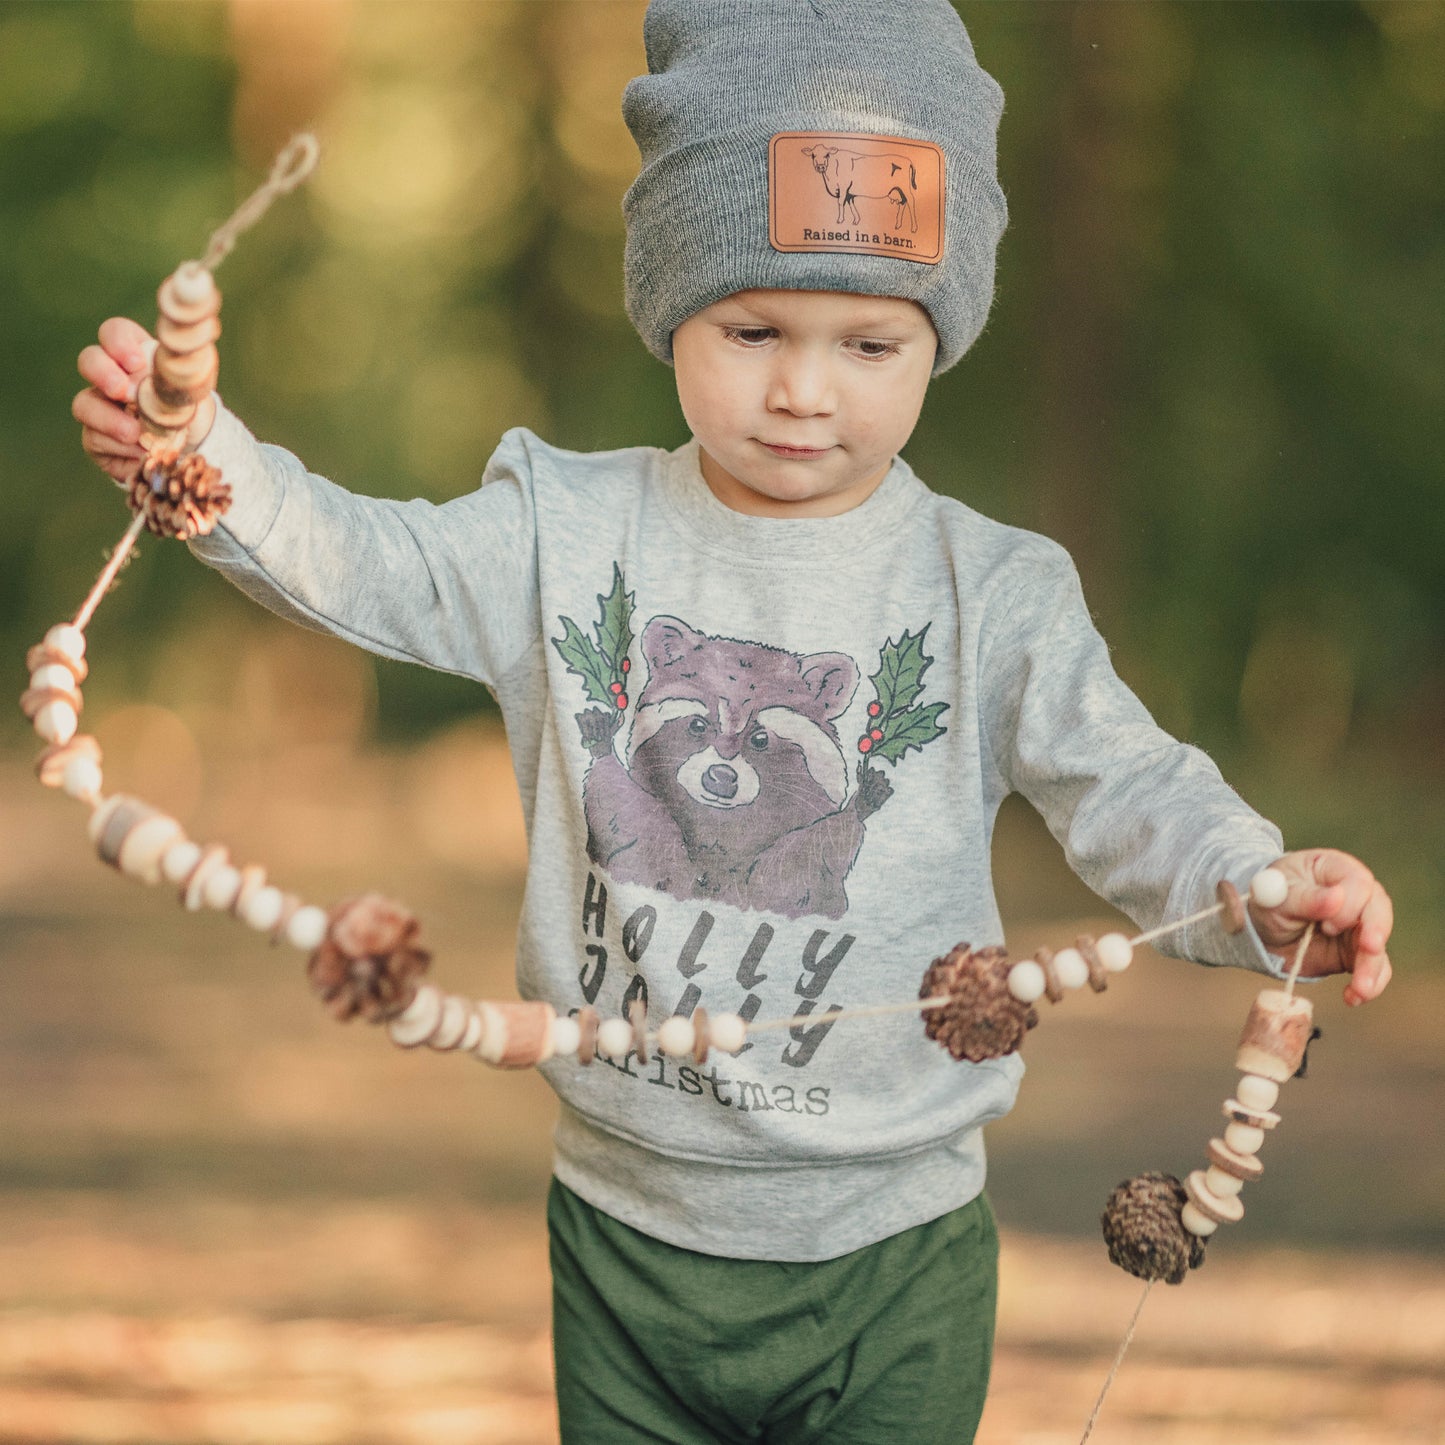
<point>665,639</point>
<point>832,678</point>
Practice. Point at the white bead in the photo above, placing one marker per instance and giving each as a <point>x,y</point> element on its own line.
<point>143,847</point>
<point>473,1036</point>
<point>493,1043</point>
<point>614,1038</point>
<point>566,1035</point>
<point>192,283</point>
<point>178,860</point>
<point>1115,952</point>
<point>1243,1138</point>
<point>1269,888</point>
<point>1256,1093</point>
<point>307,928</point>
<point>221,887</point>
<point>1071,969</point>
<point>1026,981</point>
<point>1195,1222</point>
<point>56,721</point>
<point>53,674</point>
<point>727,1032</point>
<point>416,1023</point>
<point>1221,1183</point>
<point>676,1037</point>
<point>82,779</point>
<point>262,910</point>
<point>452,1029</point>
<point>67,639</point>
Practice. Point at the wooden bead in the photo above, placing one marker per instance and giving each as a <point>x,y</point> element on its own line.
<point>1269,888</point>
<point>1275,1036</point>
<point>161,416</point>
<point>1089,952</point>
<point>126,814</point>
<point>290,906</point>
<point>262,910</point>
<point>190,376</point>
<point>1233,919</point>
<point>728,1032</point>
<point>1115,952</point>
<point>307,928</point>
<point>100,819</point>
<point>1195,1222</point>
<point>82,779</point>
<point>1243,1166</point>
<point>473,1035</point>
<point>221,888</point>
<point>1255,1118</point>
<point>50,766</point>
<point>253,880</point>
<point>676,1037</point>
<point>614,1038</point>
<point>637,1017</point>
<point>529,1033</point>
<point>43,655</point>
<point>181,337</point>
<point>179,860</point>
<point>452,1026</point>
<point>188,294</point>
<point>702,1038</point>
<point>66,638</point>
<point>143,847</point>
<point>1243,1138</point>
<point>35,698</point>
<point>566,1035</point>
<point>1026,981</point>
<point>1221,1184</point>
<point>1070,968</point>
<point>55,720</point>
<point>416,1023</point>
<point>587,1023</point>
<point>1256,1093</point>
<point>1228,1210</point>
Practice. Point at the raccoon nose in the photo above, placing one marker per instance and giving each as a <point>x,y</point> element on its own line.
<point>720,780</point>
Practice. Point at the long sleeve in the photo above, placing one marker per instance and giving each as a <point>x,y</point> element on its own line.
<point>453,586</point>
<point>1145,820</point>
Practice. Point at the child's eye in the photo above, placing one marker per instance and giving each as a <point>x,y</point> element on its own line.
<point>749,335</point>
<point>874,350</point>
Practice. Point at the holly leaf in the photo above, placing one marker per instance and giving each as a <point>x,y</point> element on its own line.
<point>614,625</point>
<point>912,729</point>
<point>582,658</point>
<point>899,679</point>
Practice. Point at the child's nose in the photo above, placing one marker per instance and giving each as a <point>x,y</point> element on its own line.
<point>803,387</point>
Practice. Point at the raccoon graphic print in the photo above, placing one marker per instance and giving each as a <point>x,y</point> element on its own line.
<point>722,777</point>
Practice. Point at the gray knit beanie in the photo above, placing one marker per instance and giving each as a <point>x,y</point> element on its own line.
<point>819,145</point>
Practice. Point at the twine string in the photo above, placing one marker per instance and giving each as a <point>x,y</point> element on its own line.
<point>1118,1360</point>
<point>108,574</point>
<point>292,166</point>
<point>1299,958</point>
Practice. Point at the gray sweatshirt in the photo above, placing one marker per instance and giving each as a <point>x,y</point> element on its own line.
<point>760,762</point>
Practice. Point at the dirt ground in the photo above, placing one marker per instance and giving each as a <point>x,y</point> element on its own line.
<point>226,1220</point>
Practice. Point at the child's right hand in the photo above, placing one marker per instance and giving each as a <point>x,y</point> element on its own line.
<point>114,368</point>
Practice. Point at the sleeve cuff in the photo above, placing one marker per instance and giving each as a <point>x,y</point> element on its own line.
<point>1206,941</point>
<point>256,487</point>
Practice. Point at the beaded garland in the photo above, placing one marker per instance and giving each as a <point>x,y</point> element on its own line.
<point>364,955</point>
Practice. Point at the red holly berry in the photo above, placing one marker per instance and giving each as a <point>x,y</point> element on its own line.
<point>627,664</point>
<point>621,700</point>
<point>616,687</point>
<point>876,735</point>
<point>874,709</point>
<point>864,743</point>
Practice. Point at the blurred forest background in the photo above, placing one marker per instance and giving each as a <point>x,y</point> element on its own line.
<point>1215,371</point>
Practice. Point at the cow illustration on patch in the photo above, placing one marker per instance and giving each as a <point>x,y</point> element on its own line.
<point>880,195</point>
<point>723,777</point>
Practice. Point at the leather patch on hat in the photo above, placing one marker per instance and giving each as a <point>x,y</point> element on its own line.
<point>879,195</point>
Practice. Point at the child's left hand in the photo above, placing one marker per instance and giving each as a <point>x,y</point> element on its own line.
<point>1351,912</point>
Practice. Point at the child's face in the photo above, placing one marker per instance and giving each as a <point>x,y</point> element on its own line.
<point>799,399</point>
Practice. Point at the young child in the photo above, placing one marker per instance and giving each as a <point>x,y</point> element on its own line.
<point>765,695</point>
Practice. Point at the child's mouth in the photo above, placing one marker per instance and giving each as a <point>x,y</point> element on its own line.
<point>797,454</point>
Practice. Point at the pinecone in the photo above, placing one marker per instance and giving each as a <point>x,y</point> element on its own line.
<point>984,1020</point>
<point>370,962</point>
<point>182,496</point>
<point>1144,1232</point>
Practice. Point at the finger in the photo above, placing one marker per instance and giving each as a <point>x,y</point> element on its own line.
<point>1332,868</point>
<point>1372,972</point>
<point>106,374</point>
<point>1377,921</point>
<point>129,343</point>
<point>101,444</point>
<point>99,414</point>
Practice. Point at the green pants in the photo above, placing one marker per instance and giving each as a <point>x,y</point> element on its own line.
<point>655,1343</point>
